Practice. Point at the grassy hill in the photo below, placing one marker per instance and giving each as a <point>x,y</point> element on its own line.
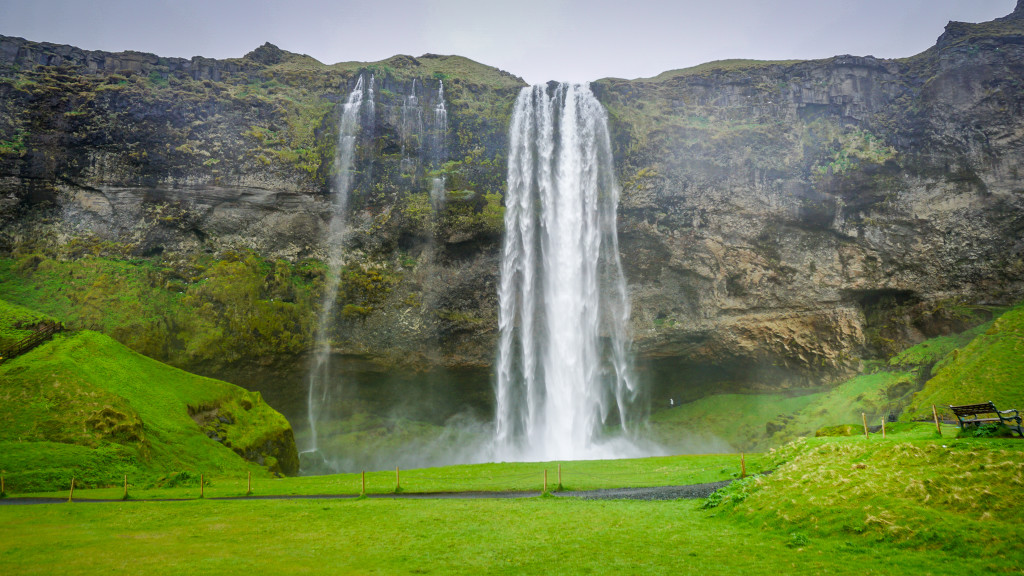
<point>983,363</point>
<point>84,405</point>
<point>990,367</point>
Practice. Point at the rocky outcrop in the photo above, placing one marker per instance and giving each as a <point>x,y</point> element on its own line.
<point>780,221</point>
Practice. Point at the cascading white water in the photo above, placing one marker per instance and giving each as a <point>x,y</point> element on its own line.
<point>412,120</point>
<point>371,107</point>
<point>320,382</point>
<point>440,125</point>
<point>439,150</point>
<point>563,362</point>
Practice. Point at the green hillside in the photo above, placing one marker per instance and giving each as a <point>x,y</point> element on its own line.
<point>84,405</point>
<point>990,367</point>
<point>983,363</point>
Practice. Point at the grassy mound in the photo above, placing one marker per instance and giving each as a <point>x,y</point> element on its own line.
<point>990,367</point>
<point>84,405</point>
<point>913,490</point>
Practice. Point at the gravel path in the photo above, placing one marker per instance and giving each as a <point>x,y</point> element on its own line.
<point>691,491</point>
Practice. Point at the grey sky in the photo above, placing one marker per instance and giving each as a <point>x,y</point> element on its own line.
<point>539,40</point>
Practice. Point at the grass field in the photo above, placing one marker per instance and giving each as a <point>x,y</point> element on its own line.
<point>913,503</point>
<point>536,536</point>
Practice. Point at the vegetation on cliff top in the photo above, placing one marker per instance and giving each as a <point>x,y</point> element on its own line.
<point>729,65</point>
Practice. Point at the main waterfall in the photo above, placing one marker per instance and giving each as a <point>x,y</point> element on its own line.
<point>563,368</point>
<point>319,397</point>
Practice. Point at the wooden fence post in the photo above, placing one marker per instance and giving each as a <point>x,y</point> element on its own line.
<point>559,475</point>
<point>3,489</point>
<point>72,494</point>
<point>363,493</point>
<point>125,497</point>
<point>883,427</point>
<point>743,465</point>
<point>248,488</point>
<point>864,417</point>
<point>545,480</point>
<point>202,491</point>
<point>935,415</point>
<point>398,479</point>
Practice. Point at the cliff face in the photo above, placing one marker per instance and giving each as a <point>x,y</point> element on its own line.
<point>790,218</point>
<point>779,222</point>
<point>190,165</point>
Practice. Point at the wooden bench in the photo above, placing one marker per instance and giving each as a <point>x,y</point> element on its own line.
<point>968,415</point>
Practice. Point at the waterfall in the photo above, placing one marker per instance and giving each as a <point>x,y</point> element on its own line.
<point>437,194</point>
<point>438,149</point>
<point>440,126</point>
<point>369,131</point>
<point>563,367</point>
<point>371,108</point>
<point>412,120</point>
<point>320,383</point>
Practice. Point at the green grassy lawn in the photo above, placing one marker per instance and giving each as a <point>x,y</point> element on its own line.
<point>913,503</point>
<point>534,536</point>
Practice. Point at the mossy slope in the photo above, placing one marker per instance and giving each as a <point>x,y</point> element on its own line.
<point>83,405</point>
<point>983,363</point>
<point>990,367</point>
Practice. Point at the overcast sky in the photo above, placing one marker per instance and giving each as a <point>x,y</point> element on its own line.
<point>540,40</point>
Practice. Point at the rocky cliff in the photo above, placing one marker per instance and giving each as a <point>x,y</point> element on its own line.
<point>780,222</point>
<point>793,217</point>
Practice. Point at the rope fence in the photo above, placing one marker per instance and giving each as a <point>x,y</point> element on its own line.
<point>564,476</point>
<point>422,481</point>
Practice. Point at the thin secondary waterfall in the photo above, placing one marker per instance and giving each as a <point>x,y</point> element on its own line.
<point>412,120</point>
<point>320,382</point>
<point>371,108</point>
<point>440,126</point>
<point>439,151</point>
<point>563,367</point>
